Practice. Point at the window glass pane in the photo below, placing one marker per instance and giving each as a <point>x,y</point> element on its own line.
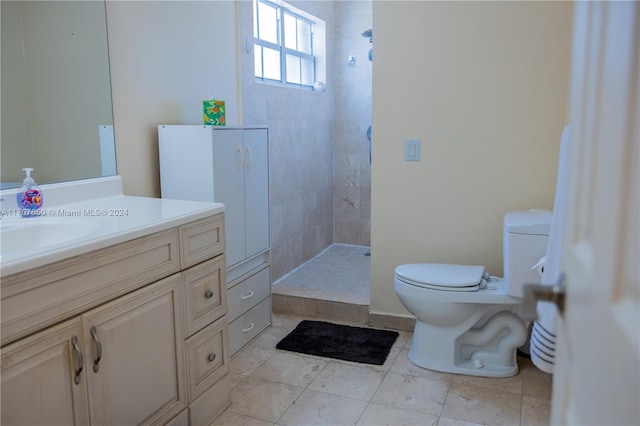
<point>255,18</point>
<point>257,57</point>
<point>267,23</point>
<point>271,60</point>
<point>304,37</point>
<point>290,31</point>
<point>306,70</point>
<point>293,69</point>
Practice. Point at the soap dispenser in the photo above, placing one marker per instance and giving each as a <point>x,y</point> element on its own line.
<point>29,196</point>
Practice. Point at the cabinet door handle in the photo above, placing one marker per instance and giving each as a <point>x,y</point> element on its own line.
<point>244,330</point>
<point>208,294</point>
<point>211,357</point>
<point>239,158</point>
<point>247,296</point>
<point>94,335</point>
<point>249,163</point>
<point>76,377</point>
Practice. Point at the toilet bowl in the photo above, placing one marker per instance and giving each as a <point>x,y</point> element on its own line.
<point>466,320</point>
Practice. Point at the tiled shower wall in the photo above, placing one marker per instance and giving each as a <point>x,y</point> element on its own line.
<point>352,117</point>
<point>301,149</point>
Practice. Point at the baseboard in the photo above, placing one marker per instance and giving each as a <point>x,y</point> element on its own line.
<point>391,321</point>
<point>337,311</point>
<point>316,308</point>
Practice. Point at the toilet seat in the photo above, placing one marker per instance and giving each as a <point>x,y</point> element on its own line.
<point>442,276</point>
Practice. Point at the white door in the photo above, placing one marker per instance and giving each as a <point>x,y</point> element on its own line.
<point>597,376</point>
<point>228,165</point>
<point>256,190</point>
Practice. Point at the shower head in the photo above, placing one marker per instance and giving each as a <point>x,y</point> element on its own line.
<point>368,33</point>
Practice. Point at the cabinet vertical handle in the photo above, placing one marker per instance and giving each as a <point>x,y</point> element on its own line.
<point>249,162</point>
<point>239,158</point>
<point>76,377</point>
<point>94,335</point>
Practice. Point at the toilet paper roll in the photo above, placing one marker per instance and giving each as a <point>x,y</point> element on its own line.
<point>540,265</point>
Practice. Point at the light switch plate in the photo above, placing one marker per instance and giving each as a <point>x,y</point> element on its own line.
<point>412,150</point>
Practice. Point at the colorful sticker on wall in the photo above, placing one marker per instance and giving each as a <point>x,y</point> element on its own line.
<point>213,112</point>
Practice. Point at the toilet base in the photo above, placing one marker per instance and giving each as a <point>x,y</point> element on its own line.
<point>486,351</point>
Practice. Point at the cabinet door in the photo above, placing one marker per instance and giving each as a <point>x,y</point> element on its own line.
<point>134,357</point>
<point>39,378</point>
<point>256,188</point>
<point>228,164</point>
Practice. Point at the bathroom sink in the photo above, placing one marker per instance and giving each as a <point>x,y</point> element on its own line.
<point>20,235</point>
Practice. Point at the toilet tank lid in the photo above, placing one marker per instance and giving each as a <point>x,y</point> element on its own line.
<point>442,274</point>
<point>530,222</point>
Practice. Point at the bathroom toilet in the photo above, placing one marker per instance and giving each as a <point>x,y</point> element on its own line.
<point>466,320</point>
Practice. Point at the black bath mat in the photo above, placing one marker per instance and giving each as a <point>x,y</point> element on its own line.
<point>337,341</point>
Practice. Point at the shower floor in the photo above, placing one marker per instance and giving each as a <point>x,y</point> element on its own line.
<point>341,273</point>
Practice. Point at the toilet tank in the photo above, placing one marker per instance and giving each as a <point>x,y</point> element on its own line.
<point>525,237</point>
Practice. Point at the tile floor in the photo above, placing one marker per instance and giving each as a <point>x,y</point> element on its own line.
<point>342,273</point>
<point>273,387</point>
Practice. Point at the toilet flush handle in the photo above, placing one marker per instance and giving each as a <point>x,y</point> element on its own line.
<point>555,293</point>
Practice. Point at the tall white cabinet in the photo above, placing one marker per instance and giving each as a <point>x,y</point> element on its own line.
<point>229,165</point>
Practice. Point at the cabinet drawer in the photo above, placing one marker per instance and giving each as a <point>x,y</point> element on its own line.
<point>248,293</point>
<point>211,403</point>
<point>34,299</point>
<point>207,357</point>
<point>201,240</point>
<point>249,325</point>
<point>205,293</point>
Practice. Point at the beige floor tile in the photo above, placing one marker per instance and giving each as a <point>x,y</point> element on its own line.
<point>290,368</point>
<point>511,384</point>
<point>288,322</point>
<point>402,365</point>
<point>379,415</point>
<point>318,408</point>
<point>481,405</point>
<point>249,358</point>
<point>270,338</point>
<point>535,412</point>
<point>235,379</point>
<point>445,421</point>
<point>535,382</point>
<point>412,393</point>
<point>263,399</point>
<point>232,419</point>
<point>348,380</point>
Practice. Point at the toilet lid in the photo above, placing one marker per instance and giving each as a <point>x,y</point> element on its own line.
<point>442,276</point>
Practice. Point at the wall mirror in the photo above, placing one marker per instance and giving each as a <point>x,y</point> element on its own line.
<point>57,115</point>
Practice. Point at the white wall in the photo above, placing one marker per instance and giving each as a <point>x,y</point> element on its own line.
<point>484,85</point>
<point>166,57</point>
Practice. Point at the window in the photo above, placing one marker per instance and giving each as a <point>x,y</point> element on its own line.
<point>284,47</point>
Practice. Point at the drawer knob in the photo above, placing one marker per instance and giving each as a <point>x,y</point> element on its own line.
<point>208,294</point>
<point>211,357</point>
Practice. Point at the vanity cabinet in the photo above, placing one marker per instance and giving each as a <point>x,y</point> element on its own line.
<point>133,353</point>
<point>228,165</point>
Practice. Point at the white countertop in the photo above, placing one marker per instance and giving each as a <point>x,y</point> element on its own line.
<point>116,219</point>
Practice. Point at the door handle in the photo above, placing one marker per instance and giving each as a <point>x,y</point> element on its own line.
<point>239,158</point>
<point>249,155</point>
<point>555,293</point>
<point>76,374</point>
<point>96,362</point>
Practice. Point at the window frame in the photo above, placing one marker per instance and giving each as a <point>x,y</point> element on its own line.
<point>283,9</point>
